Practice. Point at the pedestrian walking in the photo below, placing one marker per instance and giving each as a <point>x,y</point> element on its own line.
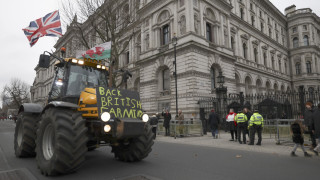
<point>166,123</point>
<point>316,128</point>
<point>231,126</point>
<point>214,121</point>
<point>256,125</point>
<point>308,115</point>
<point>297,137</point>
<point>154,124</point>
<point>242,126</point>
<point>180,119</point>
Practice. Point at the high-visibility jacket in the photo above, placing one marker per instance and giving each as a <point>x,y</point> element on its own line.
<point>256,119</point>
<point>241,118</point>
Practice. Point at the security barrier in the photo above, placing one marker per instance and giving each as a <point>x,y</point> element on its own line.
<point>188,127</point>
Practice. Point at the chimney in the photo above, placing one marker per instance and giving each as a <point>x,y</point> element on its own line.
<point>290,9</point>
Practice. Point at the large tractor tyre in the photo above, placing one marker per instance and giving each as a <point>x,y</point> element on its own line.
<point>25,135</point>
<point>61,141</point>
<point>135,149</point>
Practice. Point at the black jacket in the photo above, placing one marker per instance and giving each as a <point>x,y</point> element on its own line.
<point>316,122</point>
<point>248,114</point>
<point>308,115</point>
<point>214,120</point>
<point>167,118</point>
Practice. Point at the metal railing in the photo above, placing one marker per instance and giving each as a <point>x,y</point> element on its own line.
<point>188,127</point>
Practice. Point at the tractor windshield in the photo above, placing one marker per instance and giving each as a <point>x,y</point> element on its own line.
<point>81,77</point>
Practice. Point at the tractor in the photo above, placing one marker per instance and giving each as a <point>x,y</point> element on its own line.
<point>74,120</point>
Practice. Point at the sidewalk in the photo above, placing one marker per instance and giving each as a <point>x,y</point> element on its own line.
<point>268,145</point>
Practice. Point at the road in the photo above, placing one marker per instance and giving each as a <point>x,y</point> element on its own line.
<point>171,161</point>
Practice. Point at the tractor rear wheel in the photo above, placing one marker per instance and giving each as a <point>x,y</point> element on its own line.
<point>135,149</point>
<point>25,135</point>
<point>61,141</point>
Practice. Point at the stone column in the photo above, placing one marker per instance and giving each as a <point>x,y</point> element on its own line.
<point>300,36</point>
<point>189,16</point>
<point>314,67</point>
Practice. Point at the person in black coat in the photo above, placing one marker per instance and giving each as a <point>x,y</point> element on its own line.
<point>166,123</point>
<point>248,113</point>
<point>308,116</point>
<point>297,137</point>
<point>316,128</point>
<point>214,121</point>
<point>154,124</point>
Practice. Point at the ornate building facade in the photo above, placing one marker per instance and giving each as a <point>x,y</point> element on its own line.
<point>256,47</point>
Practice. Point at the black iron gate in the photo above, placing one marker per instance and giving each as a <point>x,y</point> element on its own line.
<point>289,105</point>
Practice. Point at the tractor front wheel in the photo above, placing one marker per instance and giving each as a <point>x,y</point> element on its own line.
<point>61,141</point>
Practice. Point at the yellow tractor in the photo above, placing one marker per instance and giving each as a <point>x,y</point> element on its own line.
<point>82,114</point>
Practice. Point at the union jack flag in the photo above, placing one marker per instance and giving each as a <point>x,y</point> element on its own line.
<point>49,25</point>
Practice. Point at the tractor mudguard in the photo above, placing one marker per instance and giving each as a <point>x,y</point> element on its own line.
<point>61,104</point>
<point>31,108</point>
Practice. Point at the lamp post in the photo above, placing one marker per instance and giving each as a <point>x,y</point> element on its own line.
<point>221,90</point>
<point>175,42</point>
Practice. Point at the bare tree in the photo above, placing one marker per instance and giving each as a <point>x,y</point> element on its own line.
<point>105,20</point>
<point>15,93</point>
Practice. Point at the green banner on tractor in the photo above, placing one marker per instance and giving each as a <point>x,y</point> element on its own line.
<point>120,103</point>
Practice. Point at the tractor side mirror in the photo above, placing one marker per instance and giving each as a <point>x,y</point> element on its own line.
<point>44,61</point>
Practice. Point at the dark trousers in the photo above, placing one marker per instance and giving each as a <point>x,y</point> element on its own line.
<point>242,129</point>
<point>154,130</point>
<point>167,131</point>
<point>312,137</point>
<point>253,130</point>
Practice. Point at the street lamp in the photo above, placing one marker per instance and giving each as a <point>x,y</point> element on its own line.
<point>220,79</point>
<point>175,42</point>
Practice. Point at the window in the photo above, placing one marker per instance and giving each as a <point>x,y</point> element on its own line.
<point>251,6</point>
<point>128,57</point>
<point>265,59</point>
<point>277,37</point>
<point>294,29</point>
<point>272,61</point>
<point>255,51</point>
<point>306,40</point>
<point>213,78</point>
<point>305,27</point>
<point>295,42</point>
<point>298,68</point>
<point>268,20</point>
<point>232,43</point>
<point>209,32</point>
<point>244,46</point>
<point>165,35</point>
<point>262,27</point>
<point>260,14</point>
<point>270,32</point>
<point>285,68</point>
<point>166,79</point>
<point>241,13</point>
<point>252,21</point>
<point>280,68</point>
<point>275,26</point>
<point>308,66</point>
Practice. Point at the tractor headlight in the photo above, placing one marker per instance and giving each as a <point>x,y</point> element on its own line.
<point>99,66</point>
<point>105,116</point>
<point>81,62</point>
<point>107,128</point>
<point>103,67</point>
<point>145,118</point>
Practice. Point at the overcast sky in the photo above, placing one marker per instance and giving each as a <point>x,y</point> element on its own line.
<point>18,59</point>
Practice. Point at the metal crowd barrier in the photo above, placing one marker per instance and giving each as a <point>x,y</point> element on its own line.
<point>189,127</point>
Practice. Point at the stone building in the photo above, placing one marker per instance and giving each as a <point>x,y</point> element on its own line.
<point>256,47</point>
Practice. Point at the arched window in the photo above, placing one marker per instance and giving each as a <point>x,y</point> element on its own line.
<point>213,78</point>
<point>306,40</point>
<point>295,42</point>
<point>298,68</point>
<point>165,35</point>
<point>255,51</point>
<point>166,79</point>
<point>209,32</point>
<point>308,66</point>
<point>265,59</point>
<point>252,21</point>
<point>244,47</point>
<point>272,61</point>
<point>280,68</point>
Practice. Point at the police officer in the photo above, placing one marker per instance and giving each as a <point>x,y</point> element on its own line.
<point>241,120</point>
<point>256,125</point>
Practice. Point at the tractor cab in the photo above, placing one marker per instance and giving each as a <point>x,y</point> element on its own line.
<point>73,76</point>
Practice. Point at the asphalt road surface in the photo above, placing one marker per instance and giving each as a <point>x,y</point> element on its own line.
<point>170,161</point>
